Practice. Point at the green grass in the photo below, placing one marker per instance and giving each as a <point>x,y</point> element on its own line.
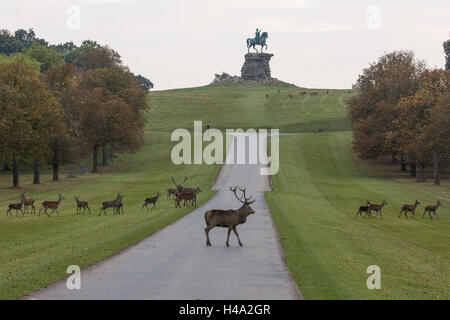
<point>318,189</point>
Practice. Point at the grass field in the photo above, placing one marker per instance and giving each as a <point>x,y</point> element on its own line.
<point>317,191</point>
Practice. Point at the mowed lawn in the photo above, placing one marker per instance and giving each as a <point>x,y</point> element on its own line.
<point>317,192</point>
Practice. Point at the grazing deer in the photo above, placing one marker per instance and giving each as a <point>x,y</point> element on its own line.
<point>171,192</point>
<point>314,93</point>
<point>409,208</point>
<point>362,209</point>
<point>229,218</point>
<point>29,203</point>
<point>115,204</point>
<point>291,96</point>
<point>152,200</point>
<point>54,205</point>
<point>180,187</point>
<point>82,205</point>
<point>16,206</point>
<point>303,93</point>
<point>431,209</point>
<point>376,207</point>
<point>267,96</point>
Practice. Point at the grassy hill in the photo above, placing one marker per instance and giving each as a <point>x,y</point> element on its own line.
<point>317,191</point>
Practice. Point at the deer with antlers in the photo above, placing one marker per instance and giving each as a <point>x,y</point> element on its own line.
<point>409,208</point>
<point>115,204</point>
<point>189,198</point>
<point>152,200</point>
<point>82,205</point>
<point>431,209</point>
<point>16,206</point>
<point>375,207</point>
<point>180,187</point>
<point>54,205</point>
<point>229,218</point>
<point>29,203</point>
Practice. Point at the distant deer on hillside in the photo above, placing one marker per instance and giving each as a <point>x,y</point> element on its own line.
<point>16,206</point>
<point>180,187</point>
<point>152,200</point>
<point>115,204</point>
<point>54,205</point>
<point>431,209</point>
<point>409,208</point>
<point>82,205</point>
<point>376,207</point>
<point>362,209</point>
<point>229,218</point>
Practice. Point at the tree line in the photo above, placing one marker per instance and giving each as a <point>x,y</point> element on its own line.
<point>60,103</point>
<point>402,111</point>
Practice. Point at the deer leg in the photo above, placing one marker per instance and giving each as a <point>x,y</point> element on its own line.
<point>34,209</point>
<point>381,215</point>
<point>208,243</point>
<point>228,236</point>
<point>423,216</point>
<point>89,210</point>
<point>357,214</point>
<point>237,235</point>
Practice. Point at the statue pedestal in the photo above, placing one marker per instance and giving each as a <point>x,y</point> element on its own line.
<point>256,66</point>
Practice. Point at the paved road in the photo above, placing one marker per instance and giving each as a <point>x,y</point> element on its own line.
<point>175,263</point>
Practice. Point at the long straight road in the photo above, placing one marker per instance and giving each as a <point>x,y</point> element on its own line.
<point>175,262</point>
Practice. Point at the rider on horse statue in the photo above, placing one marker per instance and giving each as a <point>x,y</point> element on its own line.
<point>257,35</point>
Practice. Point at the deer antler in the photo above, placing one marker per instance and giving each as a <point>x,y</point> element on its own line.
<point>185,179</point>
<point>234,191</point>
<point>247,200</point>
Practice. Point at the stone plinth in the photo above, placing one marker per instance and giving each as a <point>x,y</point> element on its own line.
<point>256,66</point>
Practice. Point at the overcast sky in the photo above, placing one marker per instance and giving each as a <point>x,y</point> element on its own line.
<point>175,43</point>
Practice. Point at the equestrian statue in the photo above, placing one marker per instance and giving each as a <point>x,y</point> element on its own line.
<point>258,40</point>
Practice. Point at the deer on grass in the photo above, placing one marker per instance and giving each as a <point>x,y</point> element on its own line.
<point>431,209</point>
<point>362,209</point>
<point>375,207</point>
<point>189,198</point>
<point>409,208</point>
<point>16,206</point>
<point>54,205</point>
<point>29,203</point>
<point>229,218</point>
<point>180,187</point>
<point>115,204</point>
<point>82,205</point>
<point>152,200</point>
<point>171,192</point>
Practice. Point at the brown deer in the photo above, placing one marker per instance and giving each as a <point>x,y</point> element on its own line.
<point>180,187</point>
<point>29,203</point>
<point>82,205</point>
<point>189,198</point>
<point>431,209</point>
<point>375,207</point>
<point>115,204</point>
<point>152,200</point>
<point>54,205</point>
<point>229,218</point>
<point>362,209</point>
<point>16,206</point>
<point>409,208</point>
<point>171,192</point>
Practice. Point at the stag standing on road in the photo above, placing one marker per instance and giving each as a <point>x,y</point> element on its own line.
<point>82,205</point>
<point>376,207</point>
<point>152,200</point>
<point>115,204</point>
<point>54,205</point>
<point>431,209</point>
<point>229,218</point>
<point>16,206</point>
<point>409,208</point>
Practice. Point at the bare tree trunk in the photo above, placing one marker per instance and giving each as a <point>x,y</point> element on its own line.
<point>403,163</point>
<point>436,176</point>
<point>36,173</point>
<point>94,159</point>
<point>422,174</point>
<point>413,169</point>
<point>15,174</point>
<point>55,166</point>
<point>104,156</point>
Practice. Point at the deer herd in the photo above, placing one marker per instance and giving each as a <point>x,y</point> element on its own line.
<point>406,208</point>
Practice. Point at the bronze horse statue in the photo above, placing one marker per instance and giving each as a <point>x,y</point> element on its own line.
<point>252,42</point>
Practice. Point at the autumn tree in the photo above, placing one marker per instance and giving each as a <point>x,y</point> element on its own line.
<point>112,111</point>
<point>372,111</point>
<point>447,54</point>
<point>29,116</point>
<point>47,57</point>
